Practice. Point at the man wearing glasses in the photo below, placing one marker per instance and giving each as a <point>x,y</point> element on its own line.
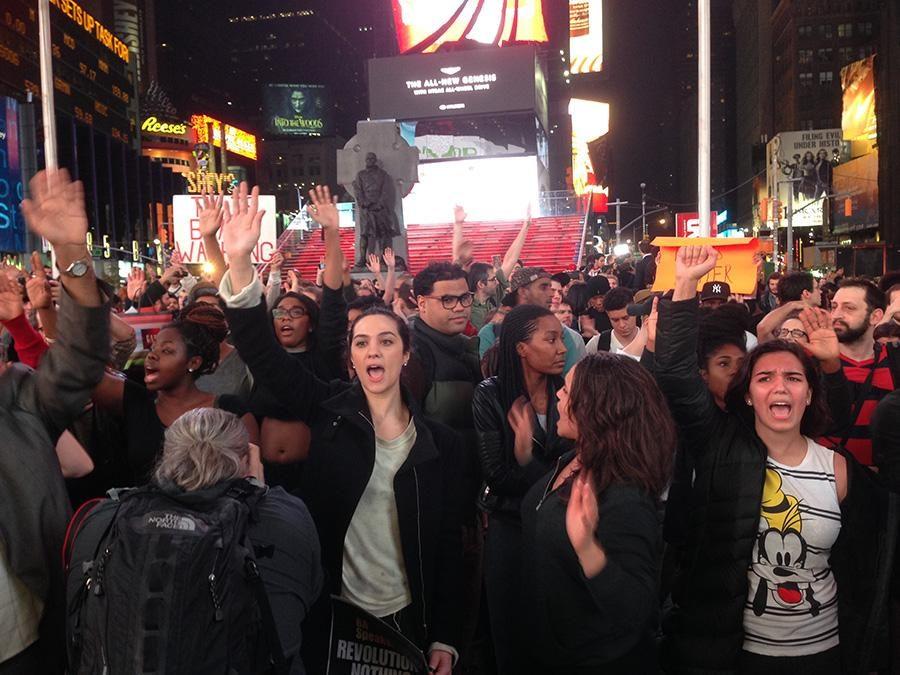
<point>447,363</point>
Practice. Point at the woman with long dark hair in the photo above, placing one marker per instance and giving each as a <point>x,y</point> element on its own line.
<point>381,481</point>
<point>515,420</point>
<point>781,571</point>
<point>591,535</point>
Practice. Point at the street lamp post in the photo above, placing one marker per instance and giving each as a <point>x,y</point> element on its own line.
<point>644,208</point>
<point>618,204</point>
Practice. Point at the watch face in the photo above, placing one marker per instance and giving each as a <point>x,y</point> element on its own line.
<point>78,268</point>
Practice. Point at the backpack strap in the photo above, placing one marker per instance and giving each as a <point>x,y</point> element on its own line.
<point>74,527</point>
<point>276,653</point>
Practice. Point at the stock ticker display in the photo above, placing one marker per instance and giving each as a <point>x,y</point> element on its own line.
<point>91,78</point>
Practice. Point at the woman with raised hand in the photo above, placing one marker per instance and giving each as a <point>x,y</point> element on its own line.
<point>782,553</point>
<point>515,422</point>
<point>382,481</point>
<point>592,548</point>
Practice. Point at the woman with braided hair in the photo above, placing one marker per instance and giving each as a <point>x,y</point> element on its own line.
<point>515,420</point>
<point>183,351</point>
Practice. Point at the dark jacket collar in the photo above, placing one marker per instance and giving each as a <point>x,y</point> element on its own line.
<point>456,345</point>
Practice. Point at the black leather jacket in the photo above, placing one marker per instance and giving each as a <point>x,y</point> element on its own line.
<point>505,482</point>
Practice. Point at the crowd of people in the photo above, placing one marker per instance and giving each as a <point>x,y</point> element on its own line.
<point>519,471</point>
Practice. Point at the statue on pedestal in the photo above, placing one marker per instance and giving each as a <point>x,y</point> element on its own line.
<point>373,189</point>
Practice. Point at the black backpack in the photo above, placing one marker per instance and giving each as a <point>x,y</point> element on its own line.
<point>166,582</point>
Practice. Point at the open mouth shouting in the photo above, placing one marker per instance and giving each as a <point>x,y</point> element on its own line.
<point>781,410</point>
<point>375,373</point>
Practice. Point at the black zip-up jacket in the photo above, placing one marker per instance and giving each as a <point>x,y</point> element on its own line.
<point>341,459</point>
<point>505,481</point>
<point>705,631</point>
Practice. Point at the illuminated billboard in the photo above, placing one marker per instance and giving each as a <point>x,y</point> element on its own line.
<point>585,36</point>
<point>803,162</point>
<point>590,123</point>
<point>858,82</point>
<point>236,140</point>
<point>12,226</point>
<point>298,110</point>
<point>473,183</point>
<point>476,82</point>
<point>424,25</point>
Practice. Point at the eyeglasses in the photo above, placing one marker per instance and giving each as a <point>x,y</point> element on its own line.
<point>449,301</point>
<point>784,333</point>
<point>493,278</point>
<point>293,312</point>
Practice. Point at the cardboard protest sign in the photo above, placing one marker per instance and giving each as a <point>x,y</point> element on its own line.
<point>362,644</point>
<point>735,265</point>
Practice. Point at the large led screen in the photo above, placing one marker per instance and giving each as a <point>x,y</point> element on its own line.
<point>474,184</point>
<point>590,124</point>
<point>585,36</point>
<point>472,82</point>
<point>424,25</point>
<point>298,110</point>
<point>858,119</point>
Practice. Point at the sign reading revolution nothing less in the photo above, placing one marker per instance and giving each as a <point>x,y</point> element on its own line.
<point>477,82</point>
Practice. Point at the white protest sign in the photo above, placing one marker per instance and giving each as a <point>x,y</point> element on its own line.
<point>189,243</point>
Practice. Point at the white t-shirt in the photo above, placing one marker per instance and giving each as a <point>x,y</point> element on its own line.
<point>374,573</point>
<point>791,607</point>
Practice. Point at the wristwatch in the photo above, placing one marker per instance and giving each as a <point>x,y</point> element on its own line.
<point>78,268</point>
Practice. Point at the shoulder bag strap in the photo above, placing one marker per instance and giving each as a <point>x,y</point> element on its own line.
<point>861,395</point>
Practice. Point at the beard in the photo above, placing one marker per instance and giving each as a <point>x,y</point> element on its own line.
<point>847,334</point>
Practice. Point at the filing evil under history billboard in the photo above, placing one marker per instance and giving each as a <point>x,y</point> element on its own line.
<point>298,110</point>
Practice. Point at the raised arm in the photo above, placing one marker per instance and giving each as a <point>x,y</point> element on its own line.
<point>273,283</point>
<point>390,281</point>
<point>75,363</point>
<point>459,218</point>
<point>30,346</point>
<point>322,208</point>
<point>775,318</point>
<point>514,252</point>
<point>39,294</point>
<point>251,328</point>
<point>677,331</point>
<point>211,215</point>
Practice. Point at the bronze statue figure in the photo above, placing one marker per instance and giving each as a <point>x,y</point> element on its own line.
<point>375,199</point>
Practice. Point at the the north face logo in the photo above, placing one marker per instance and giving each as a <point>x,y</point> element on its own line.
<point>170,521</point>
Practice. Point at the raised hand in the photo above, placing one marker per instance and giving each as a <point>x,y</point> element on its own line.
<point>38,287</point>
<point>823,341</point>
<point>521,421</point>
<point>174,271</point>
<point>277,261</point>
<point>323,207</point>
<point>459,214</point>
<point>582,516</point>
<point>294,280</point>
<point>373,262</point>
<point>11,304</point>
<point>137,281</point>
<point>56,210</point>
<point>241,223</point>
<point>211,213</point>
<point>650,322</point>
<point>389,258</point>
<point>695,262</point>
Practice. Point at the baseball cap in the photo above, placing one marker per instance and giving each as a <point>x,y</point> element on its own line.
<point>523,277</point>
<point>715,290</point>
<point>201,290</point>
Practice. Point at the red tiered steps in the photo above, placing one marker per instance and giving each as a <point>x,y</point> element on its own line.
<point>552,243</point>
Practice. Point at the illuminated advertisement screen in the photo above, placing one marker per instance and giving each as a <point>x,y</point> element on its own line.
<point>91,79</point>
<point>236,140</point>
<point>424,25</point>
<point>473,182</point>
<point>858,82</point>
<point>585,36</point>
<point>12,226</point>
<point>298,110</point>
<point>804,162</point>
<point>472,82</point>
<point>590,124</point>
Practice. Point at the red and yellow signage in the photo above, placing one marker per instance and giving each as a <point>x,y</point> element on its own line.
<point>585,36</point>
<point>236,140</point>
<point>152,125</point>
<point>424,25</point>
<point>858,121</point>
<point>92,26</point>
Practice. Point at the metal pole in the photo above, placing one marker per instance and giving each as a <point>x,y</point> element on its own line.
<point>789,252</point>
<point>47,104</point>
<point>644,209</point>
<point>618,204</point>
<point>703,116</point>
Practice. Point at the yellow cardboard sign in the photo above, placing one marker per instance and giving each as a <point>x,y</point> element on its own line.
<point>735,266</point>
